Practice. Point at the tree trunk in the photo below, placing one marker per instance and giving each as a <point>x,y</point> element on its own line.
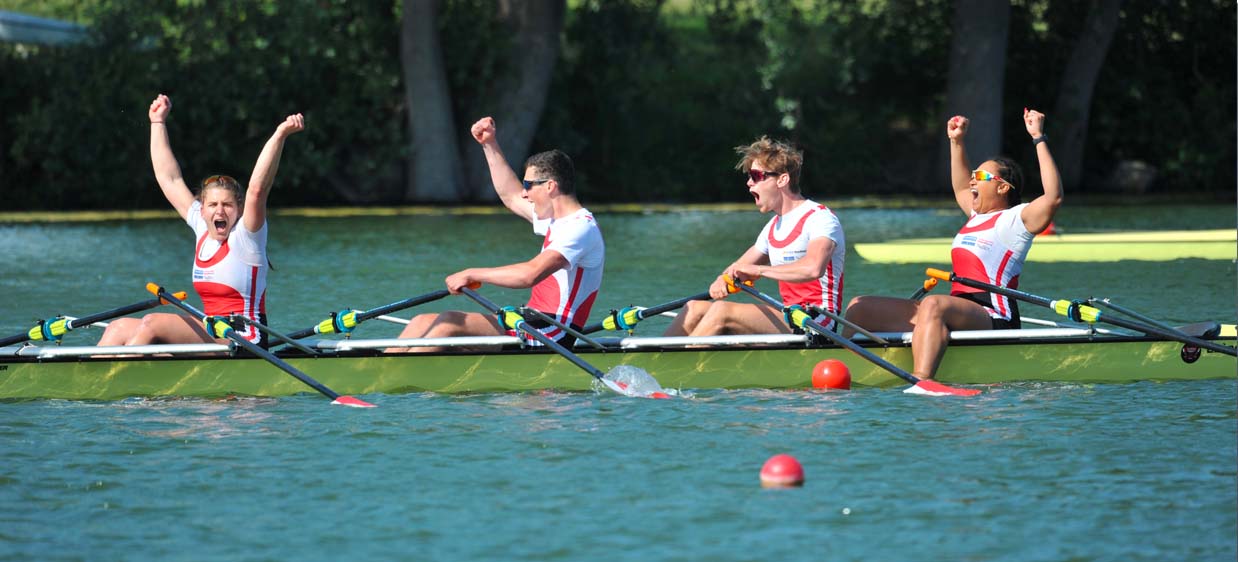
<point>434,167</point>
<point>974,85</point>
<point>520,93</point>
<point>1074,100</point>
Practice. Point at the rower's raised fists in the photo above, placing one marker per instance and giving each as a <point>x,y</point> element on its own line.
<point>484,130</point>
<point>292,124</point>
<point>159,109</point>
<point>956,127</point>
<point>1034,121</point>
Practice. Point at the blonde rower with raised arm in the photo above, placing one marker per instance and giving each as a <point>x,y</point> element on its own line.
<point>230,228</point>
<point>991,247</point>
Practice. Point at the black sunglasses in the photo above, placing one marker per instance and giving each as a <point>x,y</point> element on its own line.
<point>528,184</point>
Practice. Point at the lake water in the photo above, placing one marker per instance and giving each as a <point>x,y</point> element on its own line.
<point>1140,471</point>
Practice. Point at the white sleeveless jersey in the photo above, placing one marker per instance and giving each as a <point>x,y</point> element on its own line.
<point>230,277</point>
<point>568,294</point>
<point>785,240</point>
<point>992,247</point>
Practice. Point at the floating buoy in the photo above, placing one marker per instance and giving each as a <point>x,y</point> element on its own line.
<point>782,471</point>
<point>831,373</point>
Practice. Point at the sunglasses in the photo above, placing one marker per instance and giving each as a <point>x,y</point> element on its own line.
<point>758,176</point>
<point>981,175</point>
<point>226,181</point>
<point>528,184</point>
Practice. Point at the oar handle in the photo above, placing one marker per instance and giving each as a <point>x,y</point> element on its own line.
<point>928,286</point>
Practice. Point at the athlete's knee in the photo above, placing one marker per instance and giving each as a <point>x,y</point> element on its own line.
<point>932,308</point>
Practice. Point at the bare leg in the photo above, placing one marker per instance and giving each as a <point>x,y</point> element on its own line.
<point>162,327</point>
<point>446,325</point>
<point>880,314</point>
<point>119,331</point>
<point>936,316</point>
<point>740,318</point>
<point>688,318</point>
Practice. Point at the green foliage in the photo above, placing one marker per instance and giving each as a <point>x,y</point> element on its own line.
<point>648,97</point>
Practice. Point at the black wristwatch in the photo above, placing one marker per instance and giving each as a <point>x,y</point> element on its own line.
<point>1040,139</point>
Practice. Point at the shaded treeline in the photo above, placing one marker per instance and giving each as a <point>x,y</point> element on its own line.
<point>647,98</point>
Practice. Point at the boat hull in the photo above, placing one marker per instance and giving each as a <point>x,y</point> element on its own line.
<point>734,367</point>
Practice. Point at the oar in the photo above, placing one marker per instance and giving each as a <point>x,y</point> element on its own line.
<point>53,330</point>
<point>1080,312</point>
<point>219,328</point>
<point>924,290</point>
<point>346,320</point>
<point>510,319</point>
<point>798,317</point>
<point>627,318</point>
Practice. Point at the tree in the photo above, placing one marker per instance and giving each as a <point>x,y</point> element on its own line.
<point>434,168</point>
<point>977,71</point>
<point>1074,100</point>
<point>513,92</point>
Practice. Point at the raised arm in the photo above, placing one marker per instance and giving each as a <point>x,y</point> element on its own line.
<point>1039,213</point>
<point>264,172</point>
<point>960,168</point>
<point>506,183</point>
<point>167,170</point>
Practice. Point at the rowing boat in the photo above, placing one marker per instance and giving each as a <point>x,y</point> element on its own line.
<point>357,366</point>
<point>1087,247</point>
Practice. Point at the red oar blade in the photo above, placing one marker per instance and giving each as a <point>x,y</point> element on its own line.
<point>353,402</point>
<point>934,388</point>
<point>623,388</point>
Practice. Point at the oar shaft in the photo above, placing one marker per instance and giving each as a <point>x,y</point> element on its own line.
<point>523,327</point>
<point>611,323</point>
<point>376,312</point>
<point>249,346</point>
<point>1090,314</point>
<point>91,319</point>
<point>836,338</point>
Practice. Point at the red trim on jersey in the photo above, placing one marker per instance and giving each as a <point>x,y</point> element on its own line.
<point>982,226</point>
<point>220,254</point>
<point>1002,306</point>
<point>795,232</point>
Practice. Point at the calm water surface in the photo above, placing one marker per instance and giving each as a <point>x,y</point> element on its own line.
<point>1140,471</point>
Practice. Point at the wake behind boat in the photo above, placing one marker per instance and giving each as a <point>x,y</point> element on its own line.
<point>357,366</point>
<point>1164,245</point>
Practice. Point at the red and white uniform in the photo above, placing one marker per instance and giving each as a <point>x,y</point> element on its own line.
<point>568,294</point>
<point>991,247</point>
<point>785,240</point>
<point>230,277</point>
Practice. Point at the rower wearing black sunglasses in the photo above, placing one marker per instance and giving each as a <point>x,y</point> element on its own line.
<point>991,247</point>
<point>565,275</point>
<point>802,247</point>
<point>230,224</point>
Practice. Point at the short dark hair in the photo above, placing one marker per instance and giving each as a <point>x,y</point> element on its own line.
<point>556,165</point>
<point>1010,171</point>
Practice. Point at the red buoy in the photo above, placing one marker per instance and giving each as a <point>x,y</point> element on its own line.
<point>782,471</point>
<point>831,373</point>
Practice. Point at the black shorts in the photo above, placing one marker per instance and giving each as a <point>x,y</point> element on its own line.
<point>985,299</point>
<point>263,341</point>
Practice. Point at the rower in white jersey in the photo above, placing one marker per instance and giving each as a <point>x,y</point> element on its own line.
<point>991,247</point>
<point>230,226</point>
<point>802,247</point>
<point>565,275</point>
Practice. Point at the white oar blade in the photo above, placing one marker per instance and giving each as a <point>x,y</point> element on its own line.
<point>934,388</point>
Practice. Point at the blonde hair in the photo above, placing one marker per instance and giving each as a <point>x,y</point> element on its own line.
<point>775,156</point>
